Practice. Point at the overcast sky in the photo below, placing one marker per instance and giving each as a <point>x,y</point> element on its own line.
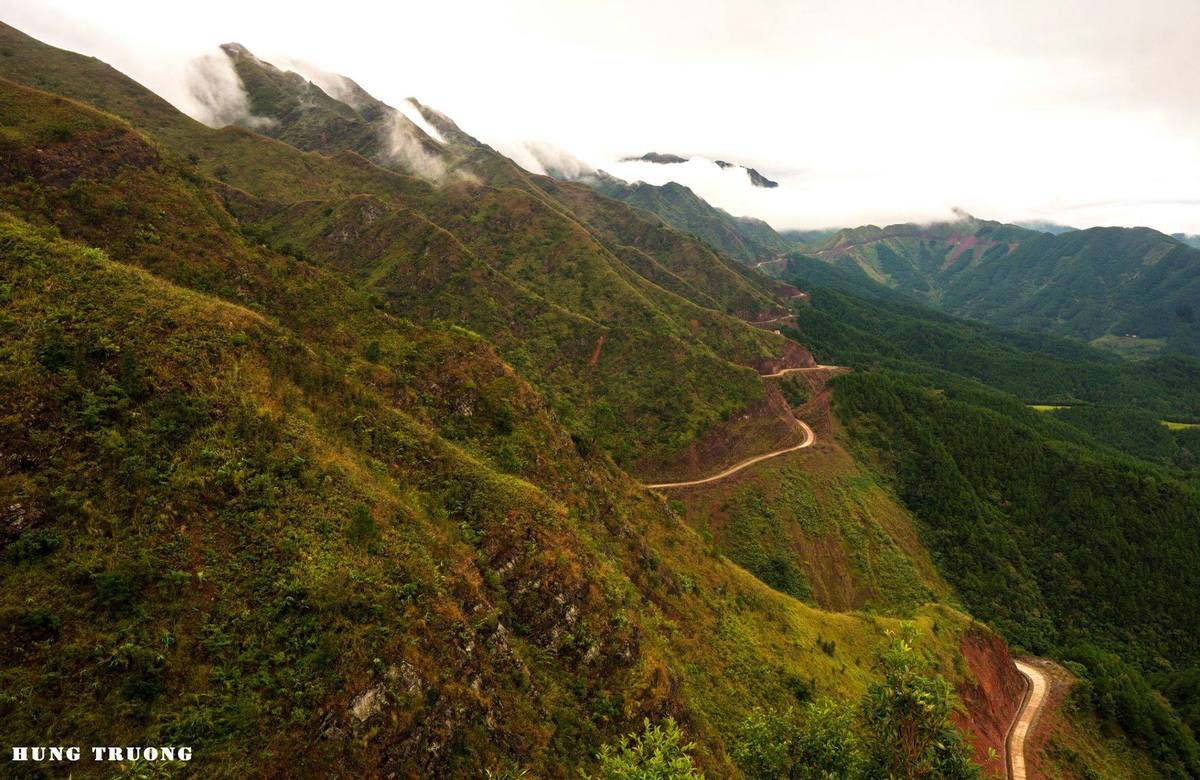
<point>1079,112</point>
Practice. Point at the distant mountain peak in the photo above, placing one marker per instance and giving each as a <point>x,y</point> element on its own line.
<point>317,110</point>
<point>756,178</point>
<point>236,49</point>
<point>660,158</point>
<point>1191,240</point>
<point>657,158</point>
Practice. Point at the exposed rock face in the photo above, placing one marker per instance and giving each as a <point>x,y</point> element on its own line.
<point>368,703</point>
<point>992,702</point>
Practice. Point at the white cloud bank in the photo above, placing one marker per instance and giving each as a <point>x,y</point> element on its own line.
<point>1078,111</point>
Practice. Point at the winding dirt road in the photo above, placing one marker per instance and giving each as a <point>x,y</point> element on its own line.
<point>786,371</point>
<point>1018,733</point>
<point>809,438</point>
<point>1036,685</point>
<point>780,318</point>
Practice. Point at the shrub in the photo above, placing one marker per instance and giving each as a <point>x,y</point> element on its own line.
<point>900,730</point>
<point>362,525</point>
<point>816,743</point>
<point>33,544</point>
<point>658,753</point>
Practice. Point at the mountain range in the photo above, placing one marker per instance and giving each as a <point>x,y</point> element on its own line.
<point>327,435</point>
<point>1134,290</point>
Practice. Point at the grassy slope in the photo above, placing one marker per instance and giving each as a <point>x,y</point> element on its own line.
<point>654,339</point>
<point>666,256</point>
<point>235,478</point>
<point>820,527</point>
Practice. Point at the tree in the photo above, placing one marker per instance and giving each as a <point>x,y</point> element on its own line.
<point>907,720</point>
<point>658,753</point>
<point>900,730</point>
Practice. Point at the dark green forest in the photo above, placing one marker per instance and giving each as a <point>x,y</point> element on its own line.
<point>1073,530</point>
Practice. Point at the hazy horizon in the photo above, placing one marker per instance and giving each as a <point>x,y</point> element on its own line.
<point>1077,113</point>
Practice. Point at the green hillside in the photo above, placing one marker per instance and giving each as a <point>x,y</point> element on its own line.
<point>917,259</point>
<point>1130,290</point>
<point>1132,283</point>
<point>250,510</point>
<point>744,239</point>
<point>279,556</point>
<point>326,465</point>
<point>610,342</point>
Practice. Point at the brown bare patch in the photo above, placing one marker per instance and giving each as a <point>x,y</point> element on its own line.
<point>794,356</point>
<point>93,155</point>
<point>596,353</point>
<point>993,700</point>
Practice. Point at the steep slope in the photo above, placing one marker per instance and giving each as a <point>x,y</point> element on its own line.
<point>248,510</point>
<point>812,523</point>
<point>305,115</point>
<point>335,116</point>
<point>245,544</point>
<point>745,239</point>
<point>509,260</point>
<point>649,242</point>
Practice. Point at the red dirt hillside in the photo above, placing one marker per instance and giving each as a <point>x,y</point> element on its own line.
<point>992,702</point>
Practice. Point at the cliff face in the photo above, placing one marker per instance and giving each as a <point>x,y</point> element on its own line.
<point>993,700</point>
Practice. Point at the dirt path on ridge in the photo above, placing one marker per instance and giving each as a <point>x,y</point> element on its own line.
<point>809,437</point>
<point>1018,735</point>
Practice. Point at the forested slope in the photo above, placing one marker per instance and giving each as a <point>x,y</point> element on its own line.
<point>1132,290</point>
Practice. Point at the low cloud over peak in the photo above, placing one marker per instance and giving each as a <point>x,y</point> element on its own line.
<point>1066,111</point>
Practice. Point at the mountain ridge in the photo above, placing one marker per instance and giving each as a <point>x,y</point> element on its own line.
<point>317,463</point>
<point>1106,285</point>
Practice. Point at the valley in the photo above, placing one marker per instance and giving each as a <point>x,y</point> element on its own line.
<point>335,443</point>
